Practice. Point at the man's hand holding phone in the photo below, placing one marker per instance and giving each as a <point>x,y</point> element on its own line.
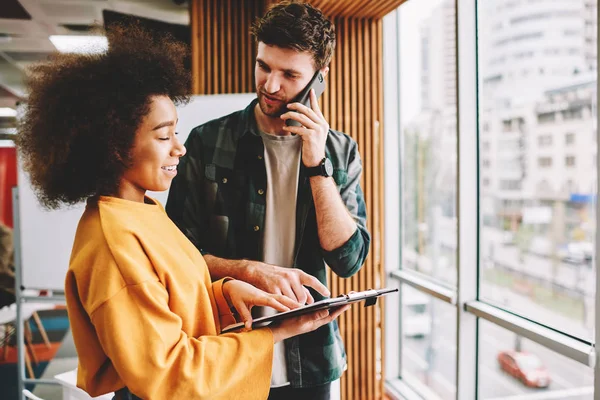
<point>313,131</point>
<point>313,126</point>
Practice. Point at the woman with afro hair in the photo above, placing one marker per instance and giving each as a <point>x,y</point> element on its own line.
<point>145,316</point>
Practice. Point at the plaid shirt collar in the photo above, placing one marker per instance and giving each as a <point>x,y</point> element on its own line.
<point>248,120</point>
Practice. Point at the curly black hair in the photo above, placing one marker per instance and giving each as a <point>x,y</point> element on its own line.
<point>82,112</point>
<point>299,26</point>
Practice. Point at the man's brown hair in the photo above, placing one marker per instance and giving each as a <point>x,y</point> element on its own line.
<point>300,26</point>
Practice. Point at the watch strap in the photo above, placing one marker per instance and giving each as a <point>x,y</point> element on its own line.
<point>319,170</point>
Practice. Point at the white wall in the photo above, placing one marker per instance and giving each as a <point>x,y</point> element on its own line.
<point>46,237</point>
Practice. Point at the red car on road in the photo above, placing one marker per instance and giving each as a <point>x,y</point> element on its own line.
<point>525,367</point>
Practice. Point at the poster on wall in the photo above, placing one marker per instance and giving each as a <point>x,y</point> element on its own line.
<point>8,179</point>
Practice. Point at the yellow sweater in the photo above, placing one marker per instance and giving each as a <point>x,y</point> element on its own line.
<point>145,315</point>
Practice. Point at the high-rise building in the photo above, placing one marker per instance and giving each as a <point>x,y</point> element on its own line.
<point>591,34</point>
<point>438,58</point>
<point>537,101</point>
<point>437,120</point>
<point>528,46</point>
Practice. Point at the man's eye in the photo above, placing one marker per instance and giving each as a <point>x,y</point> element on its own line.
<point>164,138</point>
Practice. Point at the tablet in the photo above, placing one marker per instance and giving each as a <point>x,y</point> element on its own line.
<point>369,296</point>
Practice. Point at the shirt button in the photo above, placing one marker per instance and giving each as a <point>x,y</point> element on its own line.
<point>260,157</point>
<point>224,180</point>
<point>256,228</point>
<point>261,192</point>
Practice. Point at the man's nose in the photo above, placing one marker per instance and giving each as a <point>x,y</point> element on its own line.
<point>272,84</point>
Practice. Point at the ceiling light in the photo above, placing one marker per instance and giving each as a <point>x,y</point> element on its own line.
<point>79,44</point>
<point>7,112</point>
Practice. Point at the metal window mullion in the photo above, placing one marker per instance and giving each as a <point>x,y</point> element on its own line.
<point>560,343</point>
<point>20,339</point>
<point>467,198</point>
<point>398,389</point>
<point>54,299</point>
<point>392,204</point>
<point>40,381</point>
<point>425,285</point>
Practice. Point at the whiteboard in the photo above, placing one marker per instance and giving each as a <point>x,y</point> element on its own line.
<point>46,237</point>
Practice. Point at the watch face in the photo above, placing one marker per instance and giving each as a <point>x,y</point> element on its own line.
<point>328,167</point>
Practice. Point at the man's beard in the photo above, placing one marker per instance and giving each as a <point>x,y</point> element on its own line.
<point>270,111</point>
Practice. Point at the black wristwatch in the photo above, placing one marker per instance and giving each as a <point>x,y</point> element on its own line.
<point>325,168</point>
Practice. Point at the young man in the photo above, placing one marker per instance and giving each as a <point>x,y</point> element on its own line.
<point>273,204</point>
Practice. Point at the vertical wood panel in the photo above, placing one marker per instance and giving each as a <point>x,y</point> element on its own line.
<point>355,311</point>
<point>215,34</point>
<point>222,49</point>
<point>223,52</point>
<point>351,346</point>
<point>244,27</point>
<point>195,26</point>
<point>371,88</point>
<point>379,190</point>
<point>223,62</point>
<point>357,90</point>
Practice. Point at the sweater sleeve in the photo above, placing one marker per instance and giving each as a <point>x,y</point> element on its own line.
<point>157,360</point>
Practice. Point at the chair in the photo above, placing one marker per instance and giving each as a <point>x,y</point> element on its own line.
<point>8,315</point>
<point>30,395</point>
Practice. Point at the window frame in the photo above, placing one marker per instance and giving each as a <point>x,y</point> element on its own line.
<point>465,297</point>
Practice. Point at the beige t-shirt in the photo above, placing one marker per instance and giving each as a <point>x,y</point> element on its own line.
<point>282,161</point>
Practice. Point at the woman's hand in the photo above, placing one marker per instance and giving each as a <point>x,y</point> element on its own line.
<point>305,323</point>
<point>243,296</point>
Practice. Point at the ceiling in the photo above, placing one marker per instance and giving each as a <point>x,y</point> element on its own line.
<point>25,26</point>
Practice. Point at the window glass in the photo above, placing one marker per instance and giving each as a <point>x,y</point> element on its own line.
<point>511,366</point>
<point>428,127</point>
<point>538,215</point>
<point>428,327</point>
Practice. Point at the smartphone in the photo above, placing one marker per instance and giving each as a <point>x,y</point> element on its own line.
<point>317,82</point>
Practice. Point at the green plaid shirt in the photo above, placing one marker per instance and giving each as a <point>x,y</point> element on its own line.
<point>217,202</point>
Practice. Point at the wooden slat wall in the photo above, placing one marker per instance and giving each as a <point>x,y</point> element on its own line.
<point>223,51</point>
<point>353,103</point>
<point>370,9</point>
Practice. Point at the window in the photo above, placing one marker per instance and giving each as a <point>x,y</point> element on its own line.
<point>510,185</point>
<point>545,140</point>
<point>518,38</point>
<point>553,227</point>
<point>429,151</point>
<point>505,261</point>
<point>546,118</point>
<point>429,340</point>
<point>576,113</point>
<point>545,162</point>
<point>511,365</point>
